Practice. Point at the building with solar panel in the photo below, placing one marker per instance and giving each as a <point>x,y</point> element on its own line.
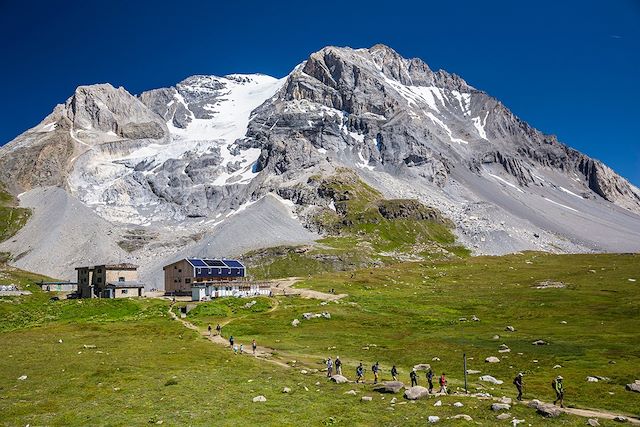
<point>205,278</point>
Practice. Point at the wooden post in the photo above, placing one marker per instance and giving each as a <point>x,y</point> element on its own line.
<point>465,372</point>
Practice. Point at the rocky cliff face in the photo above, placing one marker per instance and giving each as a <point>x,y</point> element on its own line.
<point>190,155</point>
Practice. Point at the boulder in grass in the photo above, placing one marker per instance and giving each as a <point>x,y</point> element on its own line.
<point>462,417</point>
<point>295,322</point>
<point>433,419</point>
<point>492,359</point>
<point>635,386</point>
<point>504,416</point>
<point>389,387</point>
<point>259,399</point>
<point>366,398</point>
<point>545,409</point>
<point>286,390</point>
<point>540,342</point>
<point>500,407</point>
<point>620,419</point>
<point>351,392</point>
<point>416,392</point>
<point>490,379</point>
<point>339,379</point>
<point>458,405</point>
<point>422,367</point>
<point>510,329</point>
<point>593,422</point>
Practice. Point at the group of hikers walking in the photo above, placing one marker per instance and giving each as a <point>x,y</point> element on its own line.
<point>557,384</point>
<point>234,346</point>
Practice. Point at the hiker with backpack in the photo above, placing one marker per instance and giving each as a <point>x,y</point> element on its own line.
<point>360,373</point>
<point>517,381</point>
<point>443,384</point>
<point>338,364</point>
<point>231,341</point>
<point>375,368</point>
<point>430,380</point>
<point>394,373</point>
<point>254,346</point>
<point>329,367</point>
<point>414,377</point>
<point>558,387</point>
<point>209,329</point>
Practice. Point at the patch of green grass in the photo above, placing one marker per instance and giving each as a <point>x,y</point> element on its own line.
<point>409,313</point>
<point>124,362</point>
<point>12,218</point>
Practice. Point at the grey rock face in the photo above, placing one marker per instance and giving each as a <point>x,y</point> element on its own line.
<point>212,145</point>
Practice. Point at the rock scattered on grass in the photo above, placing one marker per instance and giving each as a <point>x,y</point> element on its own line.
<point>462,417</point>
<point>366,398</point>
<point>504,416</point>
<point>435,359</point>
<point>539,342</point>
<point>472,371</point>
<point>475,318</point>
<point>286,390</point>
<point>500,407</point>
<point>545,409</point>
<point>416,392</point>
<point>620,419</point>
<point>496,337</point>
<point>593,422</point>
<point>635,386</point>
<point>393,401</point>
<point>389,387</point>
<point>22,377</point>
<point>295,322</point>
<point>259,399</point>
<point>339,379</point>
<point>422,367</point>
<point>557,366</point>
<point>438,403</point>
<point>492,359</point>
<point>490,379</point>
<point>458,405</point>
<point>351,392</point>
<point>433,419</point>
<point>510,329</point>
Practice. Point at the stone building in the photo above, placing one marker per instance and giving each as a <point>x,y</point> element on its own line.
<point>109,281</point>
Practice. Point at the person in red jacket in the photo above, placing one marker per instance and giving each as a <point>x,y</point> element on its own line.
<point>443,384</point>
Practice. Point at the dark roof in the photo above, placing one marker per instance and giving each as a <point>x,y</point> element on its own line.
<point>131,284</point>
<point>121,266</point>
<point>215,262</point>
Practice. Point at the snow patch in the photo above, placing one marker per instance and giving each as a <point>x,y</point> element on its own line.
<point>480,124</point>
<point>560,204</point>
<point>446,128</point>
<point>464,99</point>
<point>571,192</point>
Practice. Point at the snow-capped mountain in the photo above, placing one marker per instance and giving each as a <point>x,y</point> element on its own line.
<point>177,165</point>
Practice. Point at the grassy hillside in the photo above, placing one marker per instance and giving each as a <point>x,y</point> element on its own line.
<point>12,218</point>
<point>125,362</point>
<point>362,229</point>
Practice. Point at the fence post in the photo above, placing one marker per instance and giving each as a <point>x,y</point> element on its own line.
<point>465,372</point>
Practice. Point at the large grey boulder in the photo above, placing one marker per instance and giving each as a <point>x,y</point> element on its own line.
<point>339,379</point>
<point>500,407</point>
<point>416,392</point>
<point>422,367</point>
<point>634,386</point>
<point>389,387</point>
<point>545,409</point>
<point>492,359</point>
<point>490,379</point>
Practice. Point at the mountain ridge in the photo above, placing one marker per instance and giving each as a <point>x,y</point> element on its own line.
<point>182,159</point>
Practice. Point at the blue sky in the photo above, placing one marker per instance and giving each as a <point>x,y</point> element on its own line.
<point>566,67</point>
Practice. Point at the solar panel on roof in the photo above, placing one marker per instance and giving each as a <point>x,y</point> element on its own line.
<point>214,262</point>
<point>197,262</point>
<point>233,263</point>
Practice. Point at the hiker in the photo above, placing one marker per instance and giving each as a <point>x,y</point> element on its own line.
<point>360,373</point>
<point>394,373</point>
<point>430,380</point>
<point>254,346</point>
<point>329,367</point>
<point>558,387</point>
<point>443,384</point>
<point>231,341</point>
<point>218,329</point>
<point>209,329</point>
<point>414,377</point>
<point>517,381</point>
<point>338,364</point>
<point>235,349</point>
<point>241,348</point>
<point>375,368</point>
